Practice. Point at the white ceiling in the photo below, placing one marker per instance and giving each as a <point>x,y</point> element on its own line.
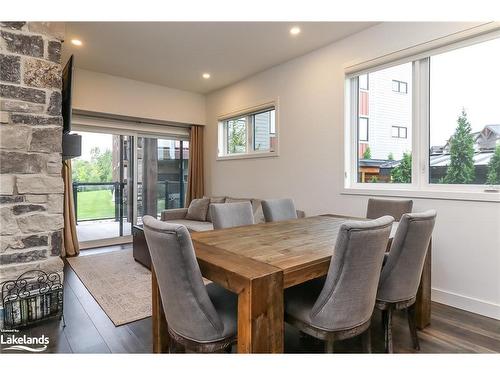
<point>175,54</point>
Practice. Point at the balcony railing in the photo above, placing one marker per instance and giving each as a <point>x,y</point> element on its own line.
<point>98,205</point>
<point>105,200</point>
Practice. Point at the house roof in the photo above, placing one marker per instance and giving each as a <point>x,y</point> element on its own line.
<point>372,162</point>
<point>480,158</point>
<point>494,128</point>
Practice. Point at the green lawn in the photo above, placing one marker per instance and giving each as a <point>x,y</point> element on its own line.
<point>98,204</point>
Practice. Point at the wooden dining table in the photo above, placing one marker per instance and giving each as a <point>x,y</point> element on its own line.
<point>258,262</point>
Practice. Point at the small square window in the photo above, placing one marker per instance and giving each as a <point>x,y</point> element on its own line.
<point>399,86</point>
<point>398,132</point>
<point>363,129</point>
<point>363,82</point>
<point>248,133</point>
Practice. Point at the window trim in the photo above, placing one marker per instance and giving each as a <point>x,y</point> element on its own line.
<point>250,152</point>
<point>420,187</point>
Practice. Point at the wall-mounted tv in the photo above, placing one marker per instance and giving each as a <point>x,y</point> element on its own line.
<point>71,143</point>
<point>67,86</point>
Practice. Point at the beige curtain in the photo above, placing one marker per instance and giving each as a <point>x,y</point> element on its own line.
<point>196,187</point>
<point>71,247</point>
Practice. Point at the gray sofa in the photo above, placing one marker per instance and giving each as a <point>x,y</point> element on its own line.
<point>178,215</point>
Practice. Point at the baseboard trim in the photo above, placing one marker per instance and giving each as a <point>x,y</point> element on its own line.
<point>105,242</point>
<point>481,307</point>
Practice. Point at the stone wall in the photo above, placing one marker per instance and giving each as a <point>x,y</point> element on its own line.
<point>31,187</point>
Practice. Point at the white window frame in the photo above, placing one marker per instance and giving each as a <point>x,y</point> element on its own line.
<point>248,112</point>
<point>420,186</point>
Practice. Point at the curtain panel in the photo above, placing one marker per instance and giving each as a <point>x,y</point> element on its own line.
<point>196,187</point>
<point>71,247</point>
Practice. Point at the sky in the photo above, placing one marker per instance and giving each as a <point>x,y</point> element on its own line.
<point>105,142</point>
<point>469,78</point>
<point>91,140</point>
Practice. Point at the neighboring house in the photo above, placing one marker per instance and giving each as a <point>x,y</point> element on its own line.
<point>385,113</point>
<point>439,165</point>
<point>485,140</point>
<point>488,138</point>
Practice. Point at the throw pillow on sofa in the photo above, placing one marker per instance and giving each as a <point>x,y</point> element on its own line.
<point>197,210</point>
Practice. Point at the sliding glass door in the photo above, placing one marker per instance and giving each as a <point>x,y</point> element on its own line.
<point>162,170</point>
<point>123,175</point>
<point>103,186</point>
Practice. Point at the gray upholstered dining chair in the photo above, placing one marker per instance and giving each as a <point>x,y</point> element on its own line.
<point>395,208</point>
<point>278,209</point>
<point>200,318</point>
<point>228,215</point>
<point>402,270</point>
<point>341,306</point>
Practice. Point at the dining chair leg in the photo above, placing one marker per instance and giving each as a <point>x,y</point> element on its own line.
<point>384,319</point>
<point>329,346</point>
<point>388,331</point>
<point>366,340</point>
<point>173,346</point>
<point>303,335</point>
<point>412,323</point>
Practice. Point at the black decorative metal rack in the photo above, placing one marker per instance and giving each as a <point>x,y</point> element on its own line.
<point>33,297</point>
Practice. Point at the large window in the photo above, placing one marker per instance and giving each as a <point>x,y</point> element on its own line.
<point>444,133</point>
<point>464,126</point>
<point>248,134</point>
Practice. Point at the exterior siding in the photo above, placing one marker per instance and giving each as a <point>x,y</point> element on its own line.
<point>387,109</point>
<point>261,134</point>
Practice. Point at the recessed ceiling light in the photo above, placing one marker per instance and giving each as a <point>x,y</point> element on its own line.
<point>295,30</point>
<point>206,75</point>
<point>76,42</point>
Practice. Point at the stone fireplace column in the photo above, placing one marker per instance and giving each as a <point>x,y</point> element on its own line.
<point>31,187</point>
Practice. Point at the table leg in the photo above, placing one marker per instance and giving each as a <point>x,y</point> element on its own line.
<point>423,302</point>
<point>260,315</point>
<point>160,328</point>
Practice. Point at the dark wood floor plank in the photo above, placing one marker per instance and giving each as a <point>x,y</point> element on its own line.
<point>82,335</point>
<point>143,331</point>
<point>460,317</point>
<point>466,333</point>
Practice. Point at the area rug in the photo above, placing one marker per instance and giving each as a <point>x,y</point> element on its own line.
<point>120,285</point>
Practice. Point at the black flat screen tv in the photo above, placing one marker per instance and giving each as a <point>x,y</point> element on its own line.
<point>67,85</point>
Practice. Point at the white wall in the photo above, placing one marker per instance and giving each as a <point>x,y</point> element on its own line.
<point>466,245</point>
<point>105,93</point>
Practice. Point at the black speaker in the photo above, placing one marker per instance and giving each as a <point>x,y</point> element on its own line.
<point>71,146</point>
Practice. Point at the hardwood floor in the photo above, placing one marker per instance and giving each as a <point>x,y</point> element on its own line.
<point>89,330</point>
